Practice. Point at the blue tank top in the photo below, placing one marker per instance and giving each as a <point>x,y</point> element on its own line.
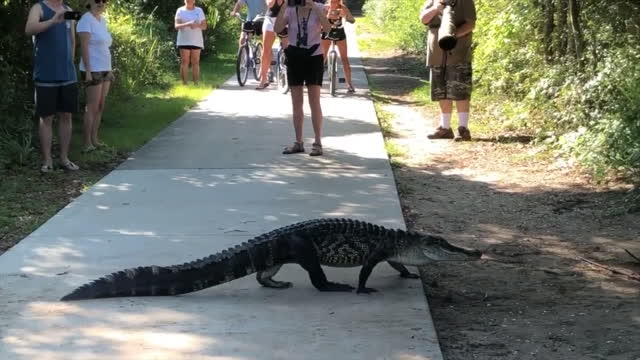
<point>52,52</point>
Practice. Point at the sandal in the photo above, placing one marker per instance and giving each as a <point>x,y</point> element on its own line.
<point>351,90</point>
<point>88,149</point>
<point>45,169</point>
<point>262,86</point>
<point>297,147</point>
<point>316,150</point>
<point>69,166</point>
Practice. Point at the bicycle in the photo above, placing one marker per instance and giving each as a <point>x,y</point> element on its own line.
<point>281,66</point>
<point>333,69</point>
<point>248,58</point>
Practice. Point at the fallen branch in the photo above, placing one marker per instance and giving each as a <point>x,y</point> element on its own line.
<point>633,256</point>
<point>629,274</point>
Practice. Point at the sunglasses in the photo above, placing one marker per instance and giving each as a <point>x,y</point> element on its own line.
<point>100,1</point>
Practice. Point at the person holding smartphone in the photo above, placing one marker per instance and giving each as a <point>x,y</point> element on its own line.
<point>336,12</point>
<point>306,21</point>
<point>190,22</point>
<point>95,64</point>
<point>54,75</point>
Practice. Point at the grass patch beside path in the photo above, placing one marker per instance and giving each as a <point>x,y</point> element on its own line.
<point>28,199</point>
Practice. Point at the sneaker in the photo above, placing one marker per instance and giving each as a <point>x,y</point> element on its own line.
<point>441,133</point>
<point>463,134</point>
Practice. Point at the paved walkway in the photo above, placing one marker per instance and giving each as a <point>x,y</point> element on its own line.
<point>211,180</point>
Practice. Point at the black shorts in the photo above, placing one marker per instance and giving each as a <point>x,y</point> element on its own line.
<point>56,99</point>
<point>336,34</point>
<point>305,70</point>
<point>189,47</point>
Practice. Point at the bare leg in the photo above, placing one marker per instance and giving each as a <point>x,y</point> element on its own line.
<point>64,134</point>
<point>446,106</point>
<point>268,38</point>
<point>93,102</point>
<point>316,112</point>
<point>185,58</point>
<point>195,65</point>
<point>46,134</point>
<point>297,100</point>
<point>326,44</point>
<point>346,66</point>
<point>98,117</point>
<point>463,106</point>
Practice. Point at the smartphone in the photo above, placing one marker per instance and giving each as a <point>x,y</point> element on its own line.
<point>72,15</point>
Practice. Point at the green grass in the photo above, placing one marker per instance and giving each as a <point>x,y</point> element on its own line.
<point>129,123</point>
<point>28,199</point>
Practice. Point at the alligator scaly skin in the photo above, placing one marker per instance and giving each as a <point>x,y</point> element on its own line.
<point>329,242</point>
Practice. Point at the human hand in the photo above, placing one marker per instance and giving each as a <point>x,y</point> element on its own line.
<point>194,26</point>
<point>58,17</point>
<point>88,77</point>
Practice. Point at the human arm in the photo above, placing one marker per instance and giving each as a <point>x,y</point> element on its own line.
<point>85,37</point>
<point>430,10</point>
<point>270,3</point>
<point>281,20</point>
<point>236,7</point>
<point>346,14</point>
<point>34,26</point>
<point>201,24</point>
<point>466,28</point>
<point>320,13</point>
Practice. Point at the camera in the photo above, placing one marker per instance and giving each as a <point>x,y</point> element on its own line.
<point>72,15</point>
<point>447,32</point>
<point>295,2</point>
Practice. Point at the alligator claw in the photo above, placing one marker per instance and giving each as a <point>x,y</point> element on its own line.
<point>366,290</point>
<point>330,286</point>
<point>409,275</point>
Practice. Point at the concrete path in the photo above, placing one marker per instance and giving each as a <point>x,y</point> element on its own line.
<point>211,180</point>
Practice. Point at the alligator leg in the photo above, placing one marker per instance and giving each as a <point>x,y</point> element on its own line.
<point>404,272</point>
<point>306,256</point>
<point>366,270</point>
<point>265,278</point>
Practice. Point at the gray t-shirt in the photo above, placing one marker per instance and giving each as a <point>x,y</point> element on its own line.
<point>256,7</point>
<point>465,10</point>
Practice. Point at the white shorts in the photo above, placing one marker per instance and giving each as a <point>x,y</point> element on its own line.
<point>269,24</point>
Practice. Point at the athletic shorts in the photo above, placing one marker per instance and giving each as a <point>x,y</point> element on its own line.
<point>336,34</point>
<point>269,23</point>
<point>56,99</point>
<point>305,71</point>
<point>98,77</point>
<point>452,82</point>
<point>189,47</point>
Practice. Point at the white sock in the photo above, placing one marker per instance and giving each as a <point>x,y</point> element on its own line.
<point>445,120</point>
<point>463,119</point>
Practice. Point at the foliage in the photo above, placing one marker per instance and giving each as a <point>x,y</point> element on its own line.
<point>143,52</point>
<point>567,70</point>
<point>399,20</point>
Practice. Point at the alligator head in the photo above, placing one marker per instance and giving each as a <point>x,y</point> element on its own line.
<point>419,249</point>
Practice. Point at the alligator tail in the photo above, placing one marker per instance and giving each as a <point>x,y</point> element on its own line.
<point>213,270</point>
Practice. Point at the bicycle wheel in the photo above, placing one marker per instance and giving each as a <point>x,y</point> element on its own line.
<point>242,65</point>
<point>257,56</point>
<point>333,72</point>
<point>281,70</point>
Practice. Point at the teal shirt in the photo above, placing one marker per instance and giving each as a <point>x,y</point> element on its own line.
<point>256,7</point>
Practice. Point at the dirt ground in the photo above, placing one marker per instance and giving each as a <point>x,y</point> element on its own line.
<point>530,297</point>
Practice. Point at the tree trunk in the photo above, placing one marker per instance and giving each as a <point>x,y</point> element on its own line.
<point>576,29</point>
<point>549,25</point>
<point>562,30</point>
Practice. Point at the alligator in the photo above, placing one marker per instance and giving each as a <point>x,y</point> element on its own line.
<point>328,241</point>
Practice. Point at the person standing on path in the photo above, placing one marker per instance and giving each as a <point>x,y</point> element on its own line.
<point>451,71</point>
<point>95,64</point>
<point>190,21</point>
<point>268,38</point>
<point>54,74</point>
<point>305,66</point>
